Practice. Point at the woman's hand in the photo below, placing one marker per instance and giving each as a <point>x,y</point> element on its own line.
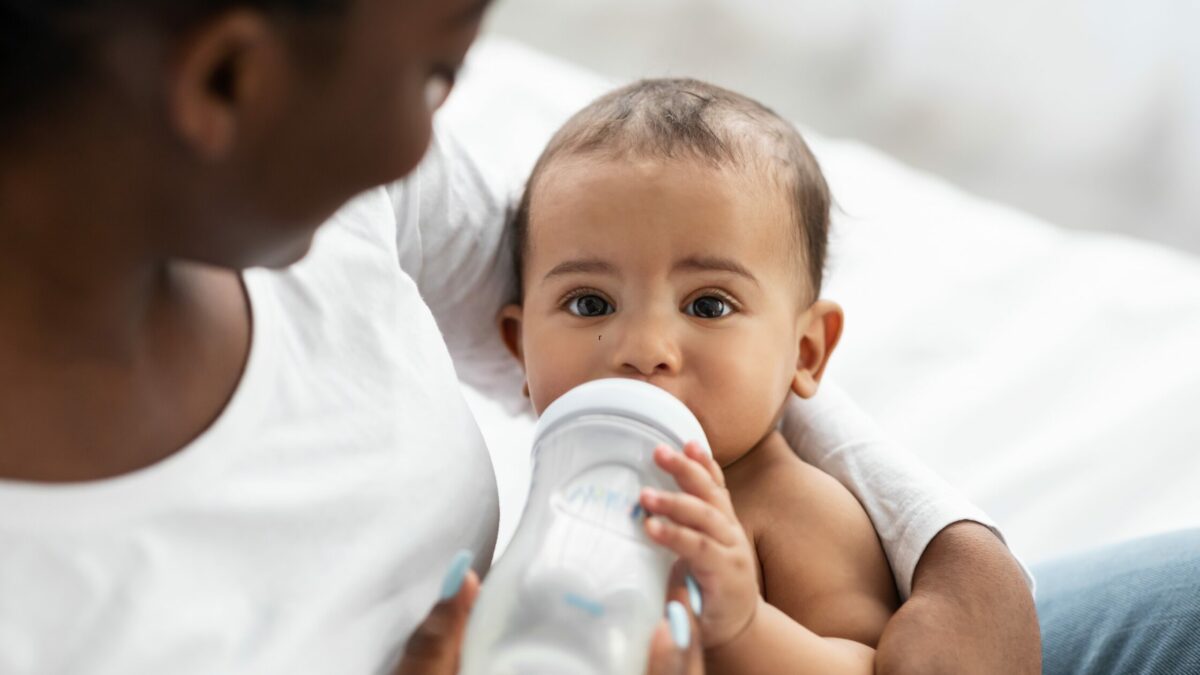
<point>435,645</point>
<point>699,525</point>
<point>675,648</point>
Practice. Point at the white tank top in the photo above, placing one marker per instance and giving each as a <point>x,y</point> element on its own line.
<point>307,530</point>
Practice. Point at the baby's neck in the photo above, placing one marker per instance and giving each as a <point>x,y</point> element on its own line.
<point>748,467</point>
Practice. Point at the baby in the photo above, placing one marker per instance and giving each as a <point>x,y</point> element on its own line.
<point>674,232</point>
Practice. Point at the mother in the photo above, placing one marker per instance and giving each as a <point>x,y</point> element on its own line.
<point>211,468</point>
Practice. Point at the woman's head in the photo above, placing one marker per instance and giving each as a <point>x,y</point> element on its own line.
<point>237,125</point>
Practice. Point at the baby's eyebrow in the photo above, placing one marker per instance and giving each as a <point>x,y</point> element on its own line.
<point>715,263</point>
<point>582,266</point>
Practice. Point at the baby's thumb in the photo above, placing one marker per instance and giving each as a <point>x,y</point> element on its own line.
<point>433,648</point>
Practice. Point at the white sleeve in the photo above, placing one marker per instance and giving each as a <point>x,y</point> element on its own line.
<point>907,502</point>
<point>451,239</point>
<point>452,213</point>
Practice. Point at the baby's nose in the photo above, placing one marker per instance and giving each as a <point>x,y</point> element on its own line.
<point>646,353</point>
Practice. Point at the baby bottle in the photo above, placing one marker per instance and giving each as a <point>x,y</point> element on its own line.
<point>580,588</point>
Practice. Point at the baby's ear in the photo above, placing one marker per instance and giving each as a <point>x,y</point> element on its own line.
<point>820,330</point>
<point>509,323</point>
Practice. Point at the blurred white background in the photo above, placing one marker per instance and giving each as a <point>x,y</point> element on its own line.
<point>1050,374</point>
<point>1084,112</point>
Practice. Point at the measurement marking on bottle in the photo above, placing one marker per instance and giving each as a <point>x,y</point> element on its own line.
<point>637,513</point>
<point>590,606</point>
<point>605,495</point>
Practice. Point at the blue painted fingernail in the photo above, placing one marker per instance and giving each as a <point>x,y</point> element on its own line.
<point>455,575</point>
<point>681,628</point>
<point>694,596</point>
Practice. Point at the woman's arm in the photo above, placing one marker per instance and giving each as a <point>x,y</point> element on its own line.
<point>970,611</point>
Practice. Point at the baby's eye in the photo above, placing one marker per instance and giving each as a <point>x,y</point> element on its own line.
<point>589,305</point>
<point>708,307</point>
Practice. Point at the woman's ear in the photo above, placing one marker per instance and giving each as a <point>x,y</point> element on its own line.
<point>509,322</point>
<point>819,334</point>
<point>227,76</point>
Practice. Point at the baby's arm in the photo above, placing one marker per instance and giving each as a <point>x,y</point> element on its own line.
<point>842,597</point>
<point>821,560</point>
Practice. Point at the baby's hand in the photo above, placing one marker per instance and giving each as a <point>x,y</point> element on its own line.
<point>704,531</point>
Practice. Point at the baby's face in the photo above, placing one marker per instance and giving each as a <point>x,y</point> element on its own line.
<point>672,272</point>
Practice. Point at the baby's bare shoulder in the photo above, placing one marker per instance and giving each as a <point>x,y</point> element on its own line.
<point>777,487</point>
<point>820,558</point>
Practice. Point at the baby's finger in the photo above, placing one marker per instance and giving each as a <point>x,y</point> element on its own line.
<point>694,450</point>
<point>699,551</point>
<point>690,511</point>
<point>691,477</point>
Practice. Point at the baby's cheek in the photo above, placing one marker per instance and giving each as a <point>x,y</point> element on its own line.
<point>554,367</point>
<point>740,407</point>
<point>734,432</point>
<point>546,385</point>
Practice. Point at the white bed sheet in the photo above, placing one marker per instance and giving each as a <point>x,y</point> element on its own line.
<point>1053,375</point>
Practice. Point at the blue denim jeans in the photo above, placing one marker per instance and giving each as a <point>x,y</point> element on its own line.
<point>1129,608</point>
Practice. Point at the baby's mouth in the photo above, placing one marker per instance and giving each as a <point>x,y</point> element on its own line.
<point>664,384</point>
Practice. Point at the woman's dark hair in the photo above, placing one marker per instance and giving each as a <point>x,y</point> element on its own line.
<point>47,46</point>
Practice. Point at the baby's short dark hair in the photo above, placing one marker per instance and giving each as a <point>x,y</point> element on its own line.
<point>693,120</point>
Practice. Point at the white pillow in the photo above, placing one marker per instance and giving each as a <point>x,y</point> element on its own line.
<point>1052,375</point>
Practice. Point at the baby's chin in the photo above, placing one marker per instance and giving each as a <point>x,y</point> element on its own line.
<point>726,444</point>
<point>727,449</point>
<point>726,456</point>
